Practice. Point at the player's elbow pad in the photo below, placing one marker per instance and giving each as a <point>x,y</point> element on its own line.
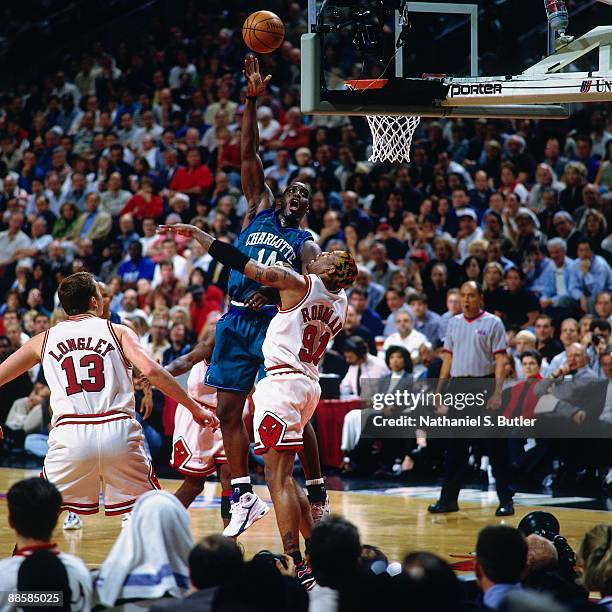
<point>228,255</point>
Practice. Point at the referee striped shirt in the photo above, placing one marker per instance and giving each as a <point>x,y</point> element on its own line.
<point>473,344</point>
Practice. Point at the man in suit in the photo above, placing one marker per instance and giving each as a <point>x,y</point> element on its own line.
<point>213,562</point>
<point>590,412</point>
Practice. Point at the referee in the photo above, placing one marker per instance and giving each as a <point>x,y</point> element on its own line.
<point>474,348</point>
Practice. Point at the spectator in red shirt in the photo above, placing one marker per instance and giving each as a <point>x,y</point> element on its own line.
<point>294,133</point>
<point>194,180</point>
<point>522,399</point>
<point>145,202</point>
<point>204,302</point>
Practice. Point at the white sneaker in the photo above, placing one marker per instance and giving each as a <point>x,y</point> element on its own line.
<point>125,519</point>
<point>73,522</point>
<point>248,509</point>
<point>320,510</point>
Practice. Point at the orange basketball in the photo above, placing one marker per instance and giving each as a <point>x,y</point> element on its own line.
<point>263,32</point>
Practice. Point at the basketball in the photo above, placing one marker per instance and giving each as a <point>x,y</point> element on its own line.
<point>263,32</point>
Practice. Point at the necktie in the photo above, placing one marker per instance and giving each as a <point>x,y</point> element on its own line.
<point>359,381</point>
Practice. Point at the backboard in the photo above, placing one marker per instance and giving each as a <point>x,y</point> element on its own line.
<point>480,58</point>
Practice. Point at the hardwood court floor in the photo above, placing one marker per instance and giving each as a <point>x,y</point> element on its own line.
<point>397,522</point>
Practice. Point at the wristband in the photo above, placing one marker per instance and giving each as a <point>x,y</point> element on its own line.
<point>228,255</point>
<point>252,98</point>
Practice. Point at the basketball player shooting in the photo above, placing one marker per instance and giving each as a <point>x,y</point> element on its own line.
<point>268,236</point>
<point>87,362</point>
<point>312,311</point>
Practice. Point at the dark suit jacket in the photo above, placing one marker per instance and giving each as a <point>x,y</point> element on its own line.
<point>200,601</point>
<point>404,384</point>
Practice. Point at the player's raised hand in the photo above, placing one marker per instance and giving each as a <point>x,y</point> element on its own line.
<point>190,231</point>
<point>255,84</point>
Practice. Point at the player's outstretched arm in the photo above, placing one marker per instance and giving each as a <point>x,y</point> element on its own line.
<point>256,192</point>
<point>201,351</point>
<point>280,277</point>
<point>21,360</point>
<point>136,355</point>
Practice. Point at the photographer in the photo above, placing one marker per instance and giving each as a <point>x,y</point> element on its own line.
<point>545,573</point>
<point>598,341</point>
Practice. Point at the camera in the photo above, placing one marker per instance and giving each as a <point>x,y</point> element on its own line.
<point>546,525</point>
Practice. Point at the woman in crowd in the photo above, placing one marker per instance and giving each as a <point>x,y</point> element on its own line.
<point>595,227</point>
<point>66,220</point>
<point>471,269</point>
<point>520,306</point>
<point>493,279</point>
<point>399,379</point>
<point>595,561</point>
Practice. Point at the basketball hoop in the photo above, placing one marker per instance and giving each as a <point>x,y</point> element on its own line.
<point>392,137</point>
<point>391,134</point>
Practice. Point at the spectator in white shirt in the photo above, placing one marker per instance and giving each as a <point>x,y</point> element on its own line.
<point>114,198</point>
<point>149,235</point>
<point>13,239</point>
<point>181,266</point>
<point>282,169</point>
<point>183,66</point>
<point>40,240</point>
<point>468,231</point>
<point>405,336</point>
<point>362,367</point>
<point>129,305</point>
<point>268,125</point>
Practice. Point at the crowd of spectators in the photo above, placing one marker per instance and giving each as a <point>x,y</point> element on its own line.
<point>127,138</point>
<point>154,564</point>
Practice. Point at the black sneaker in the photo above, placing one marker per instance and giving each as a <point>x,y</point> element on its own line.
<point>304,575</point>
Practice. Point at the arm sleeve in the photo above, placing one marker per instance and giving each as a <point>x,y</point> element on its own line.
<point>448,340</point>
<point>498,338</point>
<point>575,287</point>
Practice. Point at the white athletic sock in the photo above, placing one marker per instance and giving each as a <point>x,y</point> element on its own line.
<point>242,480</point>
<point>315,481</point>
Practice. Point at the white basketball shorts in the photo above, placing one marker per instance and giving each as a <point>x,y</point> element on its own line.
<point>284,403</point>
<point>90,451</point>
<point>196,451</point>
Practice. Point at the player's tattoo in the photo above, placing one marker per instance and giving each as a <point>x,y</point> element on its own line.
<point>271,276</point>
<point>259,272</point>
<point>288,541</point>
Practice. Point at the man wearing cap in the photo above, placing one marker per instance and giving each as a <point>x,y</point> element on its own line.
<point>468,231</point>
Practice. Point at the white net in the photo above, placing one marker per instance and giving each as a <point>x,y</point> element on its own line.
<point>392,136</point>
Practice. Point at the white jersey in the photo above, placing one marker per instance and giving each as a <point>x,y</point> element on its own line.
<point>85,368</point>
<point>198,388</point>
<point>297,337</point>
